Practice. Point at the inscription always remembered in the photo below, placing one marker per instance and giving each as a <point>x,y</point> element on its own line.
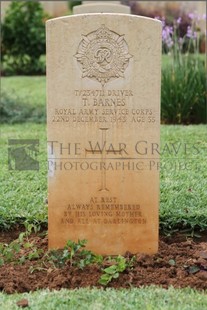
<point>103,210</point>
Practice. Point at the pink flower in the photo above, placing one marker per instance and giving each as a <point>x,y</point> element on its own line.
<point>192,16</point>
<point>191,33</point>
<point>179,20</point>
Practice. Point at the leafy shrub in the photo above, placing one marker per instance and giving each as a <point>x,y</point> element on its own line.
<point>23,65</point>
<point>23,38</point>
<point>14,110</point>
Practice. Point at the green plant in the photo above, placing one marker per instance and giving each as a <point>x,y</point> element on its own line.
<point>11,252</point>
<point>23,38</point>
<point>120,264</point>
<point>74,254</point>
<point>183,94</point>
<point>29,229</point>
<point>8,252</point>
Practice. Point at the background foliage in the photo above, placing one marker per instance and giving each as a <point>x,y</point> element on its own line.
<point>72,3</point>
<point>183,92</point>
<point>23,38</point>
<point>15,110</point>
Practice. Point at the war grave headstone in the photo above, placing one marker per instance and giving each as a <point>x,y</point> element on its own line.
<point>103,123</point>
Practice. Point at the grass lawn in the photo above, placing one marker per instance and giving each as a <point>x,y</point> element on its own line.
<point>183,178</point>
<point>30,89</point>
<point>23,193</point>
<point>149,298</point>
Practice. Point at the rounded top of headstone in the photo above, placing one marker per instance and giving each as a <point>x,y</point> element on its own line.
<point>101,8</point>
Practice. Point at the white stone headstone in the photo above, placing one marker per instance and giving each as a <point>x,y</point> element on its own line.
<point>103,120</point>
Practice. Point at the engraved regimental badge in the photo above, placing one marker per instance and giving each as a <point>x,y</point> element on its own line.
<point>103,55</point>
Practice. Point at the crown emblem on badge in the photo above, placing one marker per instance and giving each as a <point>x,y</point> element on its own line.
<point>103,55</point>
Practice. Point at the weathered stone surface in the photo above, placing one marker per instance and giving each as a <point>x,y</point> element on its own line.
<point>103,117</point>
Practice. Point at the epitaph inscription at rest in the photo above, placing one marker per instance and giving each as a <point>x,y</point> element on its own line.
<point>103,119</point>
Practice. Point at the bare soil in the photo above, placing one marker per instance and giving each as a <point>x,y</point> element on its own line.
<point>180,262</point>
